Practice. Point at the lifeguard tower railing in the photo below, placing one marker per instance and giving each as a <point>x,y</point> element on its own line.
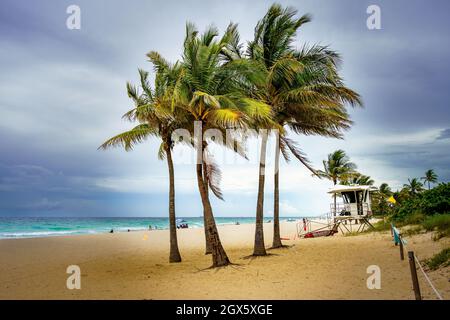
<point>350,210</point>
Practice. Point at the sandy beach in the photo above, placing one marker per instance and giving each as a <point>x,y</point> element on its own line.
<point>135,265</point>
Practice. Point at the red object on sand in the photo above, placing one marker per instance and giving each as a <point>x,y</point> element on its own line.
<point>321,233</point>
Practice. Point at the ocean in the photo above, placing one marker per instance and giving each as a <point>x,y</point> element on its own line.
<point>45,227</point>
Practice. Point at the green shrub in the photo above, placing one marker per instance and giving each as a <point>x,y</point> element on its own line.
<point>407,208</point>
<point>412,209</point>
<point>440,259</point>
<point>380,206</point>
<point>436,200</point>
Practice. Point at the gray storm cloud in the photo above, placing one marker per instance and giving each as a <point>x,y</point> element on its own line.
<point>62,93</point>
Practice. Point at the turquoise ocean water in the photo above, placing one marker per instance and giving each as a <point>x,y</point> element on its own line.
<point>45,227</point>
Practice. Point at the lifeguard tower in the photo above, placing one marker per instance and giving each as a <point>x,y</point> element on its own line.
<point>350,214</point>
<point>355,208</point>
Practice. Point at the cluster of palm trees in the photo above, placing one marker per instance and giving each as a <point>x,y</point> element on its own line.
<point>220,83</point>
<point>339,169</point>
<point>386,198</point>
<point>415,186</point>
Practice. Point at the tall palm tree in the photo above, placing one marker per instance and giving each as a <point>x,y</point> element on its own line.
<point>430,177</point>
<point>336,167</point>
<point>414,186</point>
<point>211,91</point>
<point>154,112</point>
<point>304,91</point>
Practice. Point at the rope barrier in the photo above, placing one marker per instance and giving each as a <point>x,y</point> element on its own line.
<point>397,238</point>
<point>428,279</point>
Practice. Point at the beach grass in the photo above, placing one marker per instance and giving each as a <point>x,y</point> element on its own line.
<point>415,224</point>
<point>439,223</point>
<point>440,259</point>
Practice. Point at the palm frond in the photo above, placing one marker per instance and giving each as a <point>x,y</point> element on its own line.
<point>214,175</point>
<point>162,151</point>
<point>133,93</point>
<point>160,64</point>
<point>130,138</point>
<point>295,150</point>
<point>145,85</point>
<point>225,118</point>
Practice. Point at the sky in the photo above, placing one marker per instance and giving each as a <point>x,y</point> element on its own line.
<point>62,93</point>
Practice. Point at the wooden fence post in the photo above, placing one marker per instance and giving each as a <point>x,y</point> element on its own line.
<point>402,256</point>
<point>415,280</point>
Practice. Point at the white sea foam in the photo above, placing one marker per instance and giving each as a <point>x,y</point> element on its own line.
<point>36,234</point>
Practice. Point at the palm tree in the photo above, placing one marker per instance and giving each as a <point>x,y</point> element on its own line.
<point>305,94</point>
<point>357,178</point>
<point>414,186</point>
<point>337,167</point>
<point>157,118</point>
<point>211,91</point>
<point>430,177</point>
<point>380,203</point>
<point>385,190</point>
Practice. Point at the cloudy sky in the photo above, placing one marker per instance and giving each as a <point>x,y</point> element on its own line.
<point>62,93</point>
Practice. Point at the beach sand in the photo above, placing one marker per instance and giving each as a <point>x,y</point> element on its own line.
<point>135,265</point>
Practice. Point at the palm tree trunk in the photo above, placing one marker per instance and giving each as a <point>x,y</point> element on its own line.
<point>174,255</point>
<point>259,248</point>
<point>429,185</point>
<point>207,243</point>
<point>276,201</point>
<point>219,255</point>
<point>335,205</point>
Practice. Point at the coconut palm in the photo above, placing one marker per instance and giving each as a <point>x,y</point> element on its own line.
<point>385,190</point>
<point>211,91</point>
<point>153,109</point>
<point>430,177</point>
<point>365,180</point>
<point>414,186</point>
<point>357,178</point>
<point>336,168</point>
<point>380,203</point>
<point>304,91</point>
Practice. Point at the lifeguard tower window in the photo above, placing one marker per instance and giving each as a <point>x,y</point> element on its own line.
<point>349,197</point>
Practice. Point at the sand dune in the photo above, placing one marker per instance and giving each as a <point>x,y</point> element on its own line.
<point>134,266</point>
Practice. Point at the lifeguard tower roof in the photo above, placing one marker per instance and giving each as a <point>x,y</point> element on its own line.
<point>339,188</point>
